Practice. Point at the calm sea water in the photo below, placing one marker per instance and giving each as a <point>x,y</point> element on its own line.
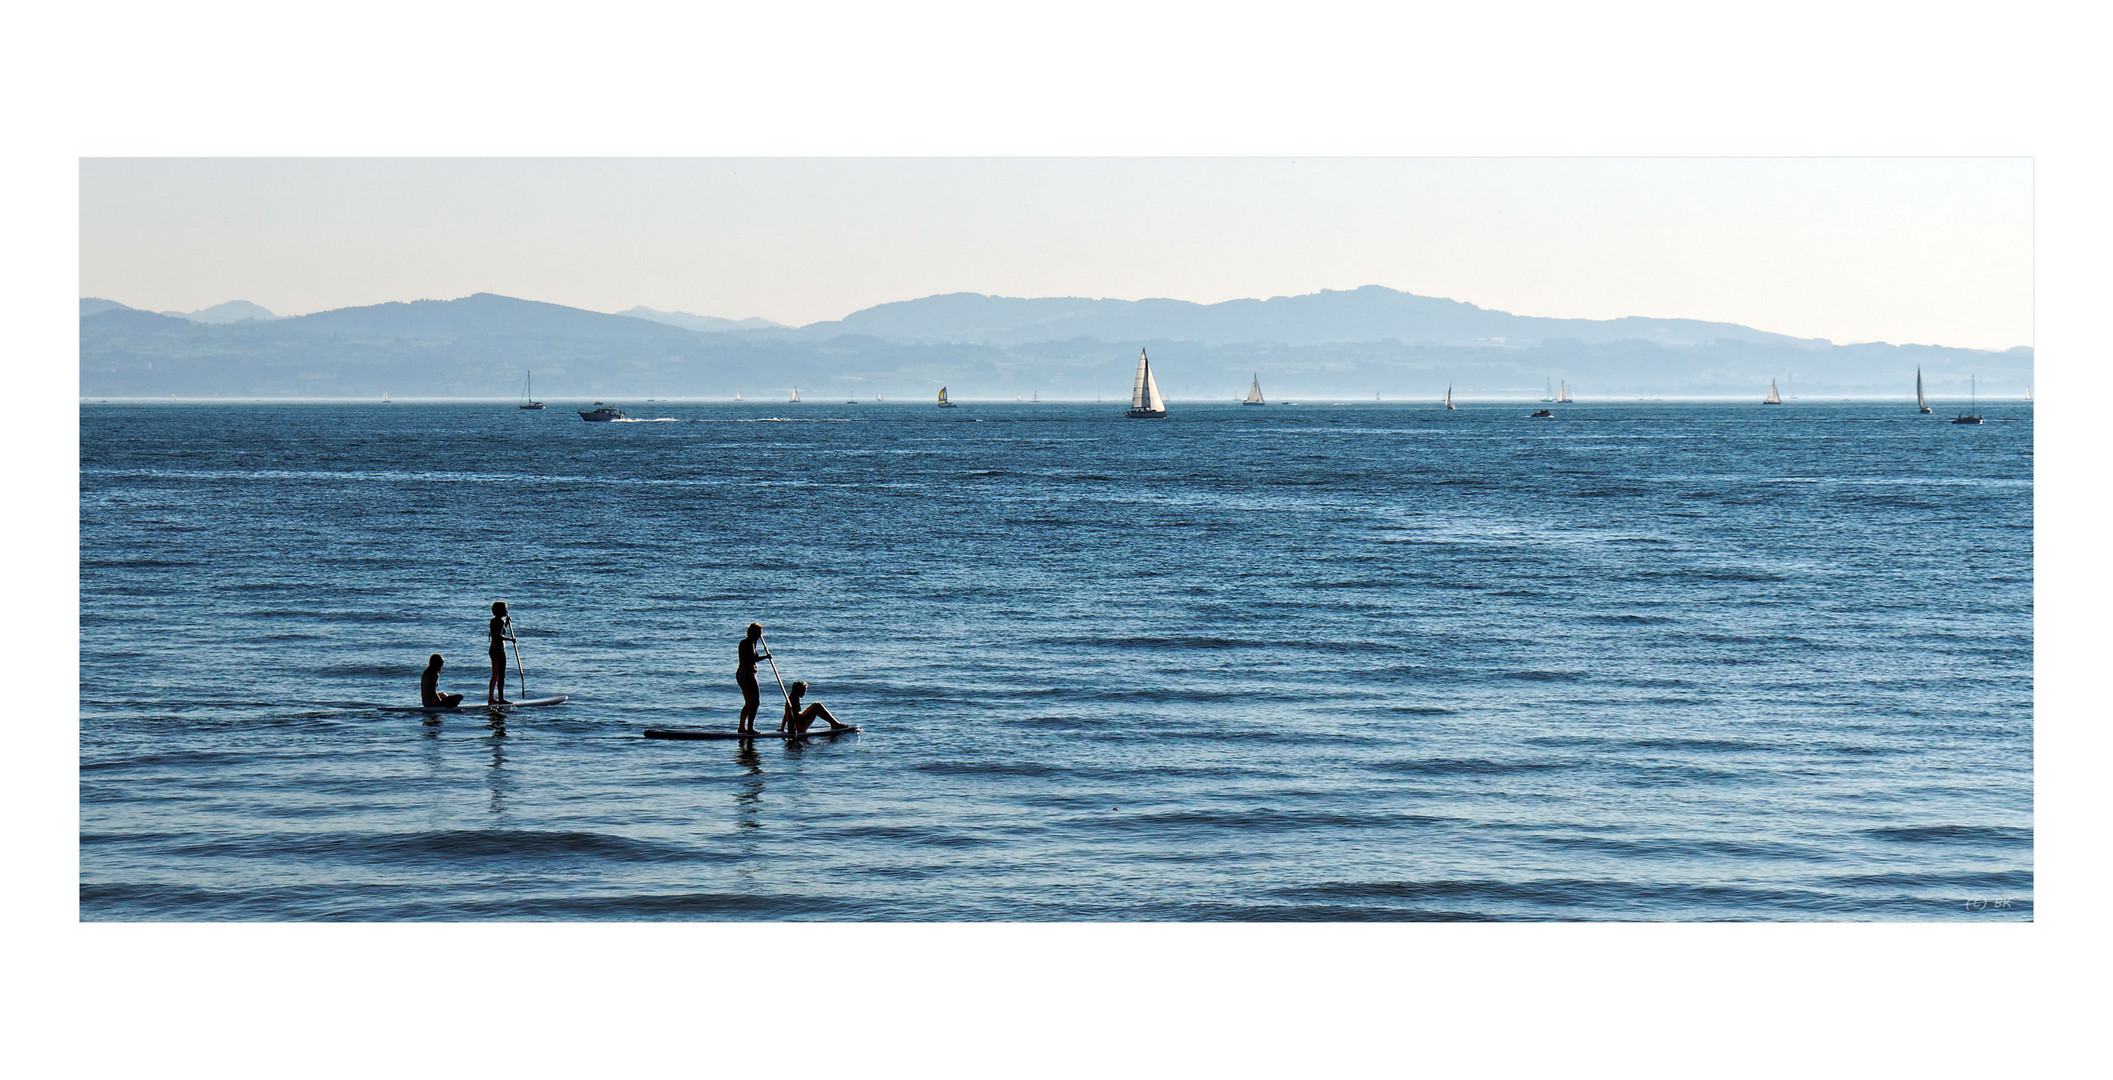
<point>1646,661</point>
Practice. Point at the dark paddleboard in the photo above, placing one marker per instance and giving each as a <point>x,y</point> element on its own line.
<point>478,706</point>
<point>658,733</point>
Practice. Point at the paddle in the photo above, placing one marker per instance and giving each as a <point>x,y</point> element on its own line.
<point>774,674</point>
<point>511,636</point>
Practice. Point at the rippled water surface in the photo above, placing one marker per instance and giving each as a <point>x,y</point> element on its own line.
<point>1645,661</point>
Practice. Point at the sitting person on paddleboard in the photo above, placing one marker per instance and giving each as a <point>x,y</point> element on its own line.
<point>745,676</point>
<point>501,633</point>
<point>798,720</point>
<point>429,694</point>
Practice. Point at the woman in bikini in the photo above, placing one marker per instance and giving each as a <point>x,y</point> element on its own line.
<point>798,720</point>
<point>501,633</point>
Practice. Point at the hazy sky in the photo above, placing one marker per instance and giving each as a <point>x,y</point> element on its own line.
<point>1936,251</point>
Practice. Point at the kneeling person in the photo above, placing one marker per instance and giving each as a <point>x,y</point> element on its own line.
<point>429,694</point>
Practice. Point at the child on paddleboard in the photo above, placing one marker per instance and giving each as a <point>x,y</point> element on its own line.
<point>501,633</point>
<point>798,720</point>
<point>429,694</point>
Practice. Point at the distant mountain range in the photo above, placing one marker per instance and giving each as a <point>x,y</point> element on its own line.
<point>701,322</point>
<point>1350,344</point>
<point>232,311</point>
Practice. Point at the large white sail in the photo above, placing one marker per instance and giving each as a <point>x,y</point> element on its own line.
<point>1254,391</point>
<point>1919,403</point>
<point>1773,398</point>
<point>1144,393</point>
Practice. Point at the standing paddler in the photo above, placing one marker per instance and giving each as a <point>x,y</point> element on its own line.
<point>501,632</point>
<point>745,676</point>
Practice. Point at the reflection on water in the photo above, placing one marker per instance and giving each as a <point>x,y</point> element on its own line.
<point>496,776</point>
<point>748,793</point>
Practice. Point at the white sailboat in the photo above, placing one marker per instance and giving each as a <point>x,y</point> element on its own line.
<point>1548,390</point>
<point>1145,402</point>
<point>1449,397</point>
<point>1562,394</point>
<point>1921,406</point>
<point>1254,392</point>
<point>943,402</point>
<point>795,396</point>
<point>1773,398</point>
<point>528,397</point>
<point>737,395</point>
<point>385,397</point>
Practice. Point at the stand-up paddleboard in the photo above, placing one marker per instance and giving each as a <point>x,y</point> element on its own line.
<point>658,733</point>
<point>478,706</point>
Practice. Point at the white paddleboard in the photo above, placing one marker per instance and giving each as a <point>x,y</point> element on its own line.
<point>659,733</point>
<point>478,706</point>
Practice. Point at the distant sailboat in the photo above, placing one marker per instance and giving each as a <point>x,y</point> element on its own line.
<point>528,399</point>
<point>1921,406</point>
<point>1562,394</point>
<point>1548,390</point>
<point>1145,402</point>
<point>1034,397</point>
<point>1449,397</point>
<point>737,395</point>
<point>1773,398</point>
<point>795,396</point>
<point>1254,392</point>
<point>943,402</point>
<point>1973,406</point>
<point>385,397</point>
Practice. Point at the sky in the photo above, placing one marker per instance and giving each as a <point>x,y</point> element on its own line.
<point>1906,250</point>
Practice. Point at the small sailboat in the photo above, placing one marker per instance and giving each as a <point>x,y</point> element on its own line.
<point>601,414</point>
<point>1034,397</point>
<point>1921,406</point>
<point>1254,392</point>
<point>1548,391</point>
<point>1449,397</point>
<point>1972,415</point>
<point>528,399</point>
<point>1562,394</point>
<point>737,395</point>
<point>1773,398</point>
<point>385,397</point>
<point>795,396</point>
<point>943,402</point>
<point>1145,402</point>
